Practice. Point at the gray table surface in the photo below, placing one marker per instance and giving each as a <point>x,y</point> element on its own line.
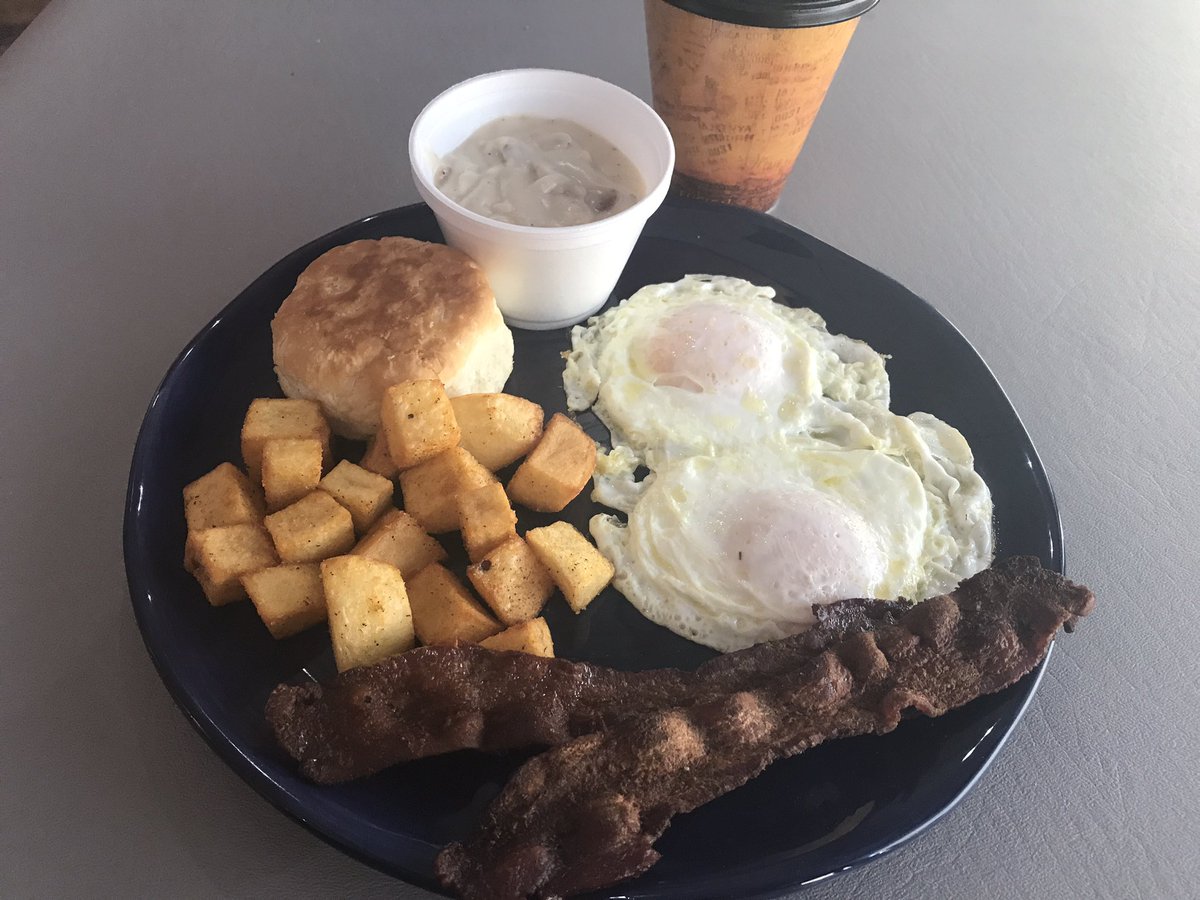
<point>1030,167</point>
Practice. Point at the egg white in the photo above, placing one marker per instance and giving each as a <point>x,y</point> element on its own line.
<point>708,363</point>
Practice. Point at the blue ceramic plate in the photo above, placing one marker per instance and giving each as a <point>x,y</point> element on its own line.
<point>805,818</point>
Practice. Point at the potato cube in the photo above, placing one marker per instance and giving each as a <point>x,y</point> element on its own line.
<point>288,598</point>
<point>218,557</point>
<point>526,637</point>
<point>431,489</point>
<point>557,469</point>
<point>444,610</point>
<point>369,615</point>
<point>399,539</point>
<point>579,570</point>
<point>311,529</point>
<point>512,581</point>
<point>377,459</point>
<point>364,493</point>
<point>486,518</point>
<point>291,468</point>
<point>497,429</point>
<point>418,421</point>
<point>274,418</point>
<point>224,496</point>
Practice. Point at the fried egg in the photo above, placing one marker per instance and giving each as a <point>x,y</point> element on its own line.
<point>778,478</point>
<point>708,363</point>
<point>735,549</point>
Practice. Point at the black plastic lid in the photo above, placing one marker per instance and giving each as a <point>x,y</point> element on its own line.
<point>776,13</point>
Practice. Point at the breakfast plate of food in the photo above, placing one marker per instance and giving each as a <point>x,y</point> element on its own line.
<point>607,609</point>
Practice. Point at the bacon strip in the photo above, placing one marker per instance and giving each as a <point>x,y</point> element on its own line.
<point>438,699</point>
<point>586,814</point>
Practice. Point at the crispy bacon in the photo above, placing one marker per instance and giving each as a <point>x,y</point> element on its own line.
<point>437,699</point>
<point>587,813</point>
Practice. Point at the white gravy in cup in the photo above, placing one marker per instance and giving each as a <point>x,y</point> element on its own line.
<point>528,170</point>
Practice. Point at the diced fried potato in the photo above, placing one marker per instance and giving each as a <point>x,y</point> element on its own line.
<point>486,519</point>
<point>369,615</point>
<point>291,468</point>
<point>557,469</point>
<point>579,570</point>
<point>418,421</point>
<point>218,557</point>
<point>526,637</point>
<point>497,429</point>
<point>399,539</point>
<point>444,610</point>
<point>512,581</point>
<point>432,488</point>
<point>377,459</point>
<point>269,417</point>
<point>311,529</point>
<point>288,598</point>
<point>224,496</point>
<point>364,493</point>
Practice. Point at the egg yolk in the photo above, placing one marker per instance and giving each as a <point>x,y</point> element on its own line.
<point>800,547</point>
<point>710,348</point>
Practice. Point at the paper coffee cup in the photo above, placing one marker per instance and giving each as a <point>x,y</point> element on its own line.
<point>739,83</point>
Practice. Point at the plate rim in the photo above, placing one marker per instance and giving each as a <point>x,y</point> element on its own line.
<point>293,807</point>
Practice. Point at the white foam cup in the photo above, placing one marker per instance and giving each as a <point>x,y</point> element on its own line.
<point>544,277</point>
